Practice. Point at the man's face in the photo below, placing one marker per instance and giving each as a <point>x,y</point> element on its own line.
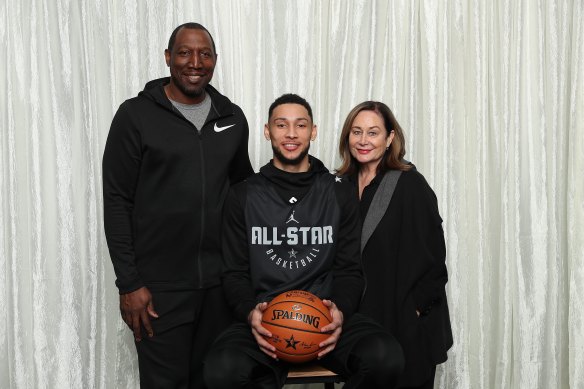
<point>191,63</point>
<point>290,130</point>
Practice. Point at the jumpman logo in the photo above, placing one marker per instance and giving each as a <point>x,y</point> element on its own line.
<point>291,218</point>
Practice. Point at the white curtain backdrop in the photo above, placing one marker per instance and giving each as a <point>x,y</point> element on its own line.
<point>491,97</point>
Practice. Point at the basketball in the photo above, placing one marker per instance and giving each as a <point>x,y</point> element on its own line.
<point>295,318</point>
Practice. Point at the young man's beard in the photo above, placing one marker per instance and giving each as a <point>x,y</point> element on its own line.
<point>287,161</point>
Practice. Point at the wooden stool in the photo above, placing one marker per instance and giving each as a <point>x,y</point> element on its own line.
<point>312,374</point>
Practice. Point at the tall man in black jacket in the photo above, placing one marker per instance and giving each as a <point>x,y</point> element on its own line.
<point>268,248</point>
<point>171,155</point>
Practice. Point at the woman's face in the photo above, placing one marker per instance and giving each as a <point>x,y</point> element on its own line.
<point>368,138</point>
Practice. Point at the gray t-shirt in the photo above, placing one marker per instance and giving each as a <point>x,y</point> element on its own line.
<point>195,113</point>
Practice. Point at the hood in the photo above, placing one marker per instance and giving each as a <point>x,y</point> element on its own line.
<point>154,90</point>
<point>293,181</point>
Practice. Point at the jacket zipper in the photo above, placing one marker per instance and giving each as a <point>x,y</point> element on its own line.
<point>203,180</point>
<point>203,200</point>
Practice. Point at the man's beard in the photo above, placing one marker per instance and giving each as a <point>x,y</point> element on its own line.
<point>287,161</point>
<point>192,93</point>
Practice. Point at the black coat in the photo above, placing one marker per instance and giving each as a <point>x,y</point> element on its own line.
<point>405,269</point>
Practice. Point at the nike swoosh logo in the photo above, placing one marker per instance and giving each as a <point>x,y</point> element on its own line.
<point>219,129</point>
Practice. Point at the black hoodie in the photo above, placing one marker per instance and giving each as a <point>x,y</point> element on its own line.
<point>164,185</point>
<point>284,231</point>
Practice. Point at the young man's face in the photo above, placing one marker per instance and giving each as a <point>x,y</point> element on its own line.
<point>192,62</point>
<point>290,130</point>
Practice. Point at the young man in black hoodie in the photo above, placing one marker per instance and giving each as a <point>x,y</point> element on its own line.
<point>171,155</point>
<point>268,249</point>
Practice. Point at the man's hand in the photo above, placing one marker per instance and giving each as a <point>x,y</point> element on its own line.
<point>136,308</point>
<point>255,322</point>
<point>336,327</point>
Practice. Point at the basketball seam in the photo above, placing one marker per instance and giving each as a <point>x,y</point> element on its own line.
<point>300,302</point>
<point>294,328</point>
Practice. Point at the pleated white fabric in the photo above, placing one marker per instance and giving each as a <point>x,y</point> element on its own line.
<point>491,97</point>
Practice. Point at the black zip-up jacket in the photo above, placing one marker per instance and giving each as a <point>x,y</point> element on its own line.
<point>164,185</point>
<point>272,243</point>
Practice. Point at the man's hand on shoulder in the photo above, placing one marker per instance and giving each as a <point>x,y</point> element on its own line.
<point>335,328</point>
<point>136,308</point>
<point>255,322</point>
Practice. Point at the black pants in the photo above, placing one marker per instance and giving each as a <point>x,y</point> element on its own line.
<point>428,384</point>
<point>188,324</point>
<point>366,355</point>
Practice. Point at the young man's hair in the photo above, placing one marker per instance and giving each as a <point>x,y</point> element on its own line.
<point>192,26</point>
<point>290,98</point>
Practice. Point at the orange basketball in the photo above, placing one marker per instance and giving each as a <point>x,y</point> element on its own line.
<point>295,318</point>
